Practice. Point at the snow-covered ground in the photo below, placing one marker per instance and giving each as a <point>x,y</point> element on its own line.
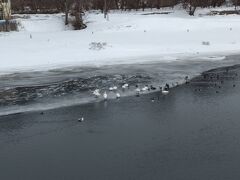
<point>43,41</point>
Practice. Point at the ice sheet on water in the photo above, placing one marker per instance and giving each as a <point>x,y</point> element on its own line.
<point>29,91</point>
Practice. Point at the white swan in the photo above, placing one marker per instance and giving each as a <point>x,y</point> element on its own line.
<point>96,92</point>
<point>118,95</point>
<point>165,92</point>
<point>145,88</point>
<point>81,119</point>
<point>105,96</point>
<point>138,91</point>
<point>125,86</point>
<point>113,88</point>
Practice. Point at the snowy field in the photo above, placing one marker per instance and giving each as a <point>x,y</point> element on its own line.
<point>43,42</point>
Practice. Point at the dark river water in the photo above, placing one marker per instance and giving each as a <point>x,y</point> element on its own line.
<point>192,133</point>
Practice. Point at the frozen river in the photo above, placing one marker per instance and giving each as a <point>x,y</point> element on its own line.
<point>41,90</point>
<point>193,133</point>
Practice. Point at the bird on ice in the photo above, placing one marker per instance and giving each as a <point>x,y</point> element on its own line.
<point>118,95</point>
<point>105,96</point>
<point>138,91</point>
<point>113,88</point>
<point>145,88</point>
<point>96,93</point>
<point>125,86</point>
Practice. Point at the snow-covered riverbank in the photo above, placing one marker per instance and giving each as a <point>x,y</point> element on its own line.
<point>128,37</point>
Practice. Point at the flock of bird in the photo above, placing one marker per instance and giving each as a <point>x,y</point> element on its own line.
<point>97,92</point>
<point>164,90</point>
<point>138,90</point>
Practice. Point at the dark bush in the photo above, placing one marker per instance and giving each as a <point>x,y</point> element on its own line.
<point>10,25</point>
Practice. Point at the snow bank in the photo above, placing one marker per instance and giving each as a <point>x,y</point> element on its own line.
<point>128,37</point>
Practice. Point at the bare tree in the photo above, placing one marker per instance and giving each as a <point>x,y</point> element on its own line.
<point>236,3</point>
<point>66,3</point>
<point>77,11</point>
<point>191,6</point>
<point>43,6</point>
<point>105,10</point>
<point>106,6</point>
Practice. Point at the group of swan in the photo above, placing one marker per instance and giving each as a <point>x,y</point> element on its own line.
<point>97,93</point>
<point>138,90</point>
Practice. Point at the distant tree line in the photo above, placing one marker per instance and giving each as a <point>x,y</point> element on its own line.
<point>77,7</point>
<point>59,5</point>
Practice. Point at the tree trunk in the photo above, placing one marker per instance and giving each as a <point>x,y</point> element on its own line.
<point>116,4</point>
<point>192,10</point>
<point>66,12</point>
<point>105,9</point>
<point>7,25</point>
<point>158,4</point>
<point>78,17</point>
